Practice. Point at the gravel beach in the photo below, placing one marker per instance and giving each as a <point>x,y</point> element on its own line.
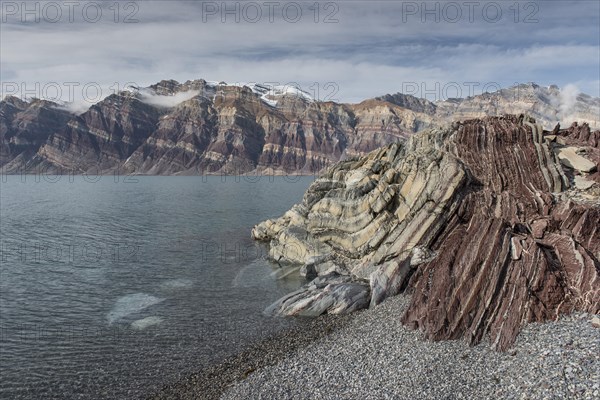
<point>211,382</point>
<point>371,355</point>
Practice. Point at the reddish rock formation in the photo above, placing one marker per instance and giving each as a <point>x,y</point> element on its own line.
<point>587,141</point>
<point>481,222</point>
<point>513,253</point>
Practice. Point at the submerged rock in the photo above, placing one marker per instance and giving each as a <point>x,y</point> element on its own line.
<point>131,304</point>
<point>144,323</point>
<point>478,220</point>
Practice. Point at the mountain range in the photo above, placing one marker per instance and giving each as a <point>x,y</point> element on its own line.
<point>203,127</point>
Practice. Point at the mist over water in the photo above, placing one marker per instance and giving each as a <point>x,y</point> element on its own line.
<point>110,289</point>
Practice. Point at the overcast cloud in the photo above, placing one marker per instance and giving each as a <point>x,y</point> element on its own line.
<point>347,51</point>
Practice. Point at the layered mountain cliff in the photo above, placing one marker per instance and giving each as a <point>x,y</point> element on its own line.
<point>26,126</point>
<point>201,127</point>
<point>490,223</point>
<point>548,105</point>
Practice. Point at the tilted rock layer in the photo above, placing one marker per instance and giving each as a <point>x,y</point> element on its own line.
<point>218,129</point>
<point>481,221</point>
<point>199,127</point>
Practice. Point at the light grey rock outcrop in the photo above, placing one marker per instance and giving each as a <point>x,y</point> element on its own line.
<point>328,294</point>
<point>570,158</point>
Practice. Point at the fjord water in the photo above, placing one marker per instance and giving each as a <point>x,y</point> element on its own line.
<point>111,287</point>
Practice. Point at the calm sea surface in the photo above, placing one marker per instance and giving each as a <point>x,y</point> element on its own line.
<point>111,287</point>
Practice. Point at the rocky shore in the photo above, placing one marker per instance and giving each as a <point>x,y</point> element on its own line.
<point>375,357</point>
<point>213,381</point>
<point>370,354</point>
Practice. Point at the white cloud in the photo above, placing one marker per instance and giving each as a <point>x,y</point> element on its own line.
<point>568,99</point>
<point>372,50</point>
<point>76,107</point>
<point>167,101</point>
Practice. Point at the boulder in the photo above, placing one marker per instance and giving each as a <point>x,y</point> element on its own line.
<point>582,183</point>
<point>569,157</point>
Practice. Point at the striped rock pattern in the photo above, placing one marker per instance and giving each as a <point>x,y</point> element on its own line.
<point>480,221</point>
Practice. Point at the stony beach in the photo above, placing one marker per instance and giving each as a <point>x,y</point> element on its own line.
<point>371,355</point>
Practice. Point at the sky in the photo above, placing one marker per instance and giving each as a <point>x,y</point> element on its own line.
<point>344,51</point>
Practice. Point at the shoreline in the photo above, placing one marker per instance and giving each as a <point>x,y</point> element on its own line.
<point>370,354</point>
<point>212,381</point>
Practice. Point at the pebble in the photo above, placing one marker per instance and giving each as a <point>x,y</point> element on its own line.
<point>374,356</point>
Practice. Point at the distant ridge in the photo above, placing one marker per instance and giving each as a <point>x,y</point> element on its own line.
<point>206,127</point>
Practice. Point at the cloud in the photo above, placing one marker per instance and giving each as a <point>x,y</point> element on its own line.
<point>372,49</point>
<point>167,101</point>
<point>568,99</point>
<point>76,107</point>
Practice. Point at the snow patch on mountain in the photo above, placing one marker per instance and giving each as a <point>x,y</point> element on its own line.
<point>131,89</point>
<point>268,93</point>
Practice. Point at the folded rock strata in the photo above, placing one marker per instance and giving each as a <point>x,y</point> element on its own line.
<point>479,220</point>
